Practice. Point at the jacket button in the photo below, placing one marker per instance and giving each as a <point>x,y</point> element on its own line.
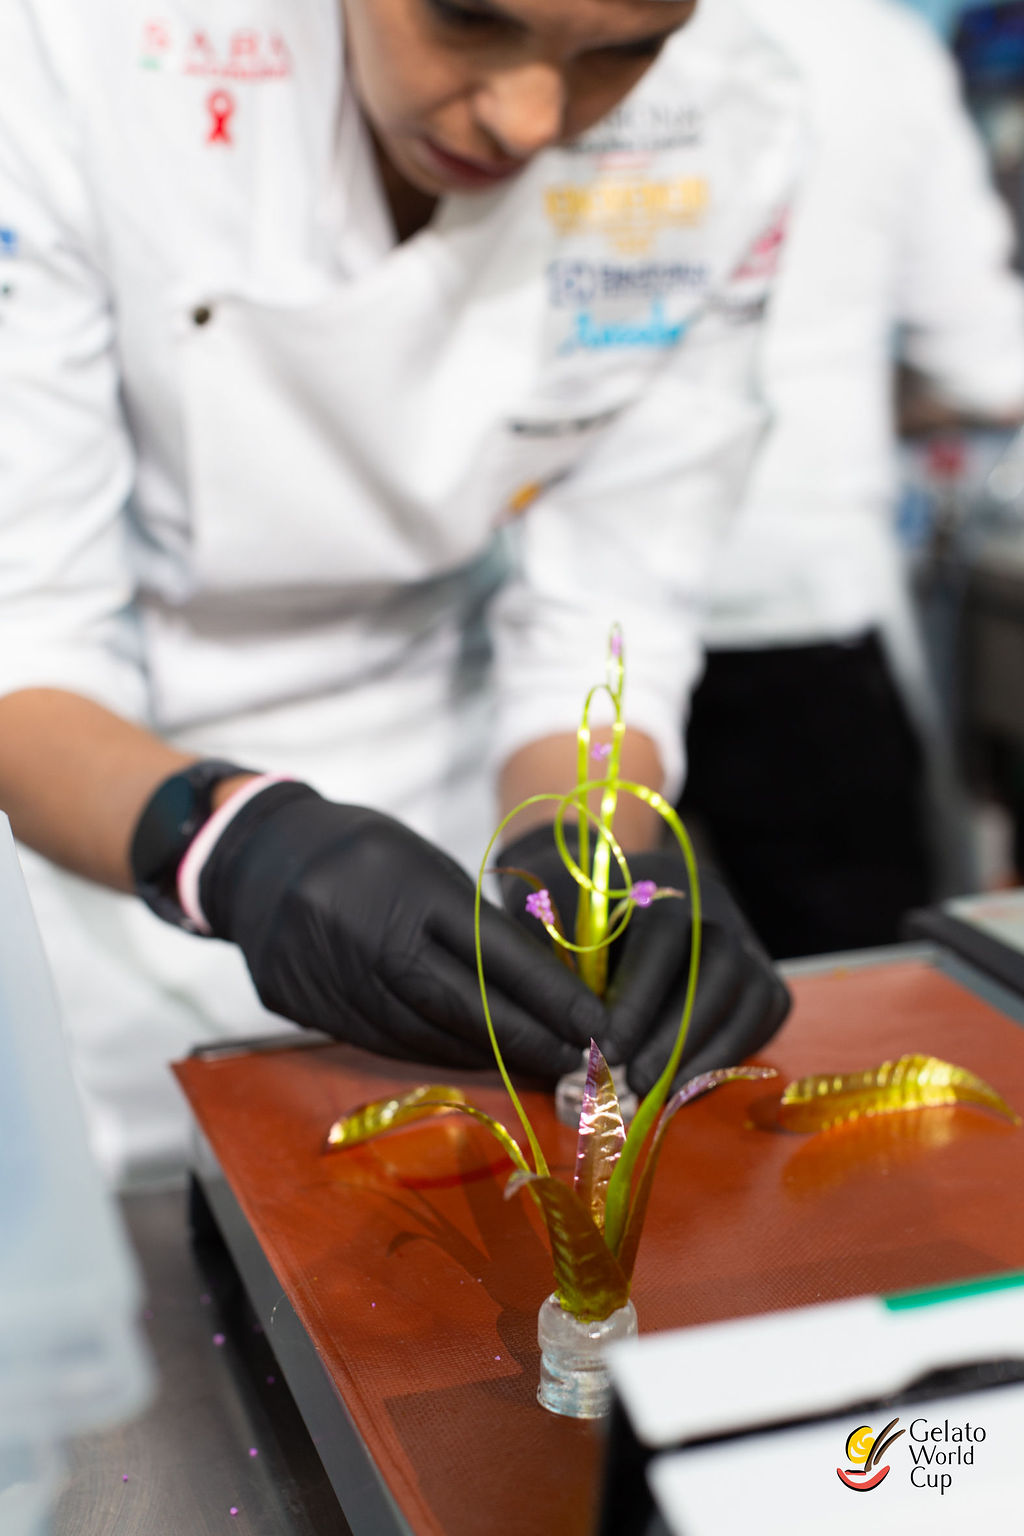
<point>203,315</point>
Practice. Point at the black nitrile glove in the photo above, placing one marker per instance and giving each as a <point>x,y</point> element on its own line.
<point>741,1000</point>
<point>352,924</point>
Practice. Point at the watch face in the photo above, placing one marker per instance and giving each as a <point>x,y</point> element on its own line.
<point>168,824</point>
<point>165,830</point>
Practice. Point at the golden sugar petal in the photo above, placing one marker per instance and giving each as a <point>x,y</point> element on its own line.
<point>913,1082</point>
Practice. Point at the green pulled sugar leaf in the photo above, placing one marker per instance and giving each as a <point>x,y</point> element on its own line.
<point>382,1115</point>
<point>697,1086</point>
<point>592,935</point>
<point>536,1151</point>
<point>424,1103</point>
<point>589,1281</point>
<point>602,1136</point>
<point>620,1187</point>
<point>497,1130</point>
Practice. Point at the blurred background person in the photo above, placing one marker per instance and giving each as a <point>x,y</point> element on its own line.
<point>807,767</point>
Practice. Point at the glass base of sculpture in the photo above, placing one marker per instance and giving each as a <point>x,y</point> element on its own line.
<point>573,1378</point>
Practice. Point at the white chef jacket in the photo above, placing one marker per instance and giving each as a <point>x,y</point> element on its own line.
<point>896,225</point>
<point>254,455</point>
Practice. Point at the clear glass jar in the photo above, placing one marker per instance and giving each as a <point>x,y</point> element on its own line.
<point>573,1379</point>
<point>569,1094</point>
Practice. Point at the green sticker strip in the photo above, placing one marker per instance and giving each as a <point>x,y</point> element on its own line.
<point>909,1300</point>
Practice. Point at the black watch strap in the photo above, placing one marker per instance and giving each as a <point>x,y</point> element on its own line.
<point>170,820</point>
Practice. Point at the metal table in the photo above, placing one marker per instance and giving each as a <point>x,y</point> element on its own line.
<point>224,1432</point>
<point>222,1394</point>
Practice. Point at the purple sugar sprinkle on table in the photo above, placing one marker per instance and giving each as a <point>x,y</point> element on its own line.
<point>218,1339</point>
<point>124,1477</point>
<point>233,1510</point>
<point>253,1451</point>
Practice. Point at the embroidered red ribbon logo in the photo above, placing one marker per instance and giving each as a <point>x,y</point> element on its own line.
<point>222,109</point>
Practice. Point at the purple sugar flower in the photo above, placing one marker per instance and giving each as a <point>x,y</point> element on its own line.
<point>601,751</point>
<point>538,904</point>
<point>616,644</point>
<point>644,892</point>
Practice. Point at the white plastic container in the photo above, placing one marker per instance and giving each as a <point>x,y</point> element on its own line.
<point>71,1359</point>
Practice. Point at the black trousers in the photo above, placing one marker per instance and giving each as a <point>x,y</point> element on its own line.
<point>806,782</point>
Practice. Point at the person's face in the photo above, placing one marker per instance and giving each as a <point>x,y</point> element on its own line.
<point>460,94</point>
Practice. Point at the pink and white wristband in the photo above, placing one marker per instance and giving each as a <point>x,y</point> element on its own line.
<point>190,870</point>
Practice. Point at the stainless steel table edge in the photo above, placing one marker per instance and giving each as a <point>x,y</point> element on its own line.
<point>360,1488</point>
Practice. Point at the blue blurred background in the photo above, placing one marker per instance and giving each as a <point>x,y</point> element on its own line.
<point>942,13</point>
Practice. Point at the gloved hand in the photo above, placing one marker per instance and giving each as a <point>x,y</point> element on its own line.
<point>351,923</point>
<point>741,1000</point>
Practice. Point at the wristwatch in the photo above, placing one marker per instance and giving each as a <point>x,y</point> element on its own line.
<point>170,820</point>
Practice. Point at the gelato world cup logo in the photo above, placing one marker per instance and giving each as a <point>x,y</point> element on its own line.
<point>864,1451</point>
